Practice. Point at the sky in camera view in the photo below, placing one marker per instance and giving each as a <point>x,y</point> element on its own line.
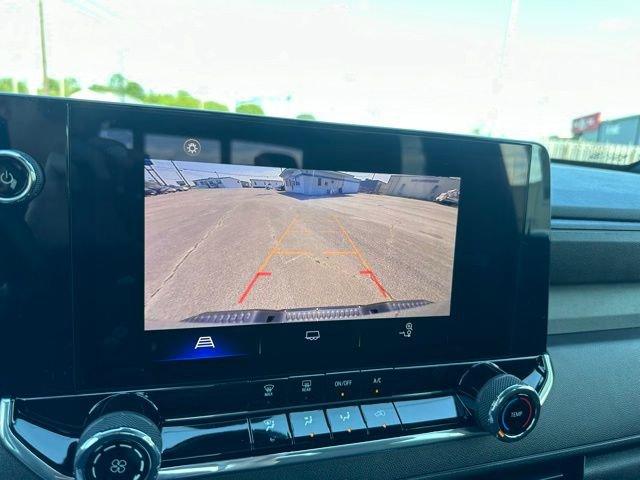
<point>447,66</point>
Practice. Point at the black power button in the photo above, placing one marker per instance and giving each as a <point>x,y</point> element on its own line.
<point>21,177</point>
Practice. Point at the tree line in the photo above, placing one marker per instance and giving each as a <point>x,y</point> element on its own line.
<point>121,86</point>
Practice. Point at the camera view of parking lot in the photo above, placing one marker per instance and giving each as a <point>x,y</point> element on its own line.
<point>232,244</point>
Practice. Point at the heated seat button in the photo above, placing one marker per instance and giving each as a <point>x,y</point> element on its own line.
<point>346,422</point>
<point>427,411</point>
<point>270,432</point>
<point>343,385</point>
<point>307,389</point>
<point>309,427</point>
<point>381,418</point>
<point>268,393</point>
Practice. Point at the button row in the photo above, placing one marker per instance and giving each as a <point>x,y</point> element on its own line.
<point>312,389</point>
<point>351,385</point>
<point>318,388</point>
<point>308,429</point>
<point>318,341</point>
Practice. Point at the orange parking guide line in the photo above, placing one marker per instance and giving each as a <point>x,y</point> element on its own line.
<point>292,252</point>
<point>353,245</point>
<point>368,271</point>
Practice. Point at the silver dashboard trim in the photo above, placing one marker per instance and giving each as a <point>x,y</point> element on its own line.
<point>19,449</point>
<point>548,383</point>
<point>324,453</point>
<point>203,470</point>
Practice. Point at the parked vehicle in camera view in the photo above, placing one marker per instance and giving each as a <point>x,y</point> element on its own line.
<point>450,197</point>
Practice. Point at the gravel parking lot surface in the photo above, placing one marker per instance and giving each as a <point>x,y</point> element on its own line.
<point>235,249</point>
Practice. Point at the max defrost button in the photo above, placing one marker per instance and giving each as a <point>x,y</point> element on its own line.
<point>268,393</point>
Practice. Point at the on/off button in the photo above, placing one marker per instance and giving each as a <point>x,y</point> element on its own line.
<point>20,176</point>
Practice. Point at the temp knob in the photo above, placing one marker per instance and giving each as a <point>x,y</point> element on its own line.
<point>119,445</point>
<point>502,404</point>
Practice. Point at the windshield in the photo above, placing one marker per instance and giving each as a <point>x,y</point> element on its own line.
<point>562,73</point>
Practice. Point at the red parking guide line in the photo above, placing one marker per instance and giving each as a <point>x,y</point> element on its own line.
<point>265,262</point>
<point>253,281</point>
<point>375,280</point>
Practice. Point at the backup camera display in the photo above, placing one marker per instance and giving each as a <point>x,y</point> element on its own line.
<point>240,245</point>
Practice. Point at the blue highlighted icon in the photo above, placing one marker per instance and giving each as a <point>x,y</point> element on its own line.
<point>201,347</point>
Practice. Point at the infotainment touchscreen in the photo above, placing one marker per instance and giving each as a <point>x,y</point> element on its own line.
<point>241,245</point>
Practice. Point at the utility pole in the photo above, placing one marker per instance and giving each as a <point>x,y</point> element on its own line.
<point>180,173</point>
<point>154,173</point>
<point>503,68</point>
<point>43,50</point>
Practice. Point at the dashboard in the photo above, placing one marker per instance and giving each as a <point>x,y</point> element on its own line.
<point>203,295</point>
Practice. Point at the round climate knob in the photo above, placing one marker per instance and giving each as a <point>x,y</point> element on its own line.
<point>507,408</point>
<point>119,445</point>
<point>21,177</point>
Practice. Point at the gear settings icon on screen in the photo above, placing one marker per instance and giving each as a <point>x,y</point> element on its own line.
<point>192,147</point>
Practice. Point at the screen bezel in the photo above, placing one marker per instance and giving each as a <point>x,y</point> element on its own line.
<point>500,281</point>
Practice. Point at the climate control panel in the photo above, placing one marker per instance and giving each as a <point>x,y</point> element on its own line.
<point>148,435</point>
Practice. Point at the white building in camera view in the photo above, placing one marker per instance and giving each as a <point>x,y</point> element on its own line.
<point>267,182</point>
<point>319,182</point>
<point>218,182</point>
<point>420,187</point>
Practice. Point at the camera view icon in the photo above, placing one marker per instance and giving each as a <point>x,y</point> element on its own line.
<point>204,342</point>
<point>312,335</point>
